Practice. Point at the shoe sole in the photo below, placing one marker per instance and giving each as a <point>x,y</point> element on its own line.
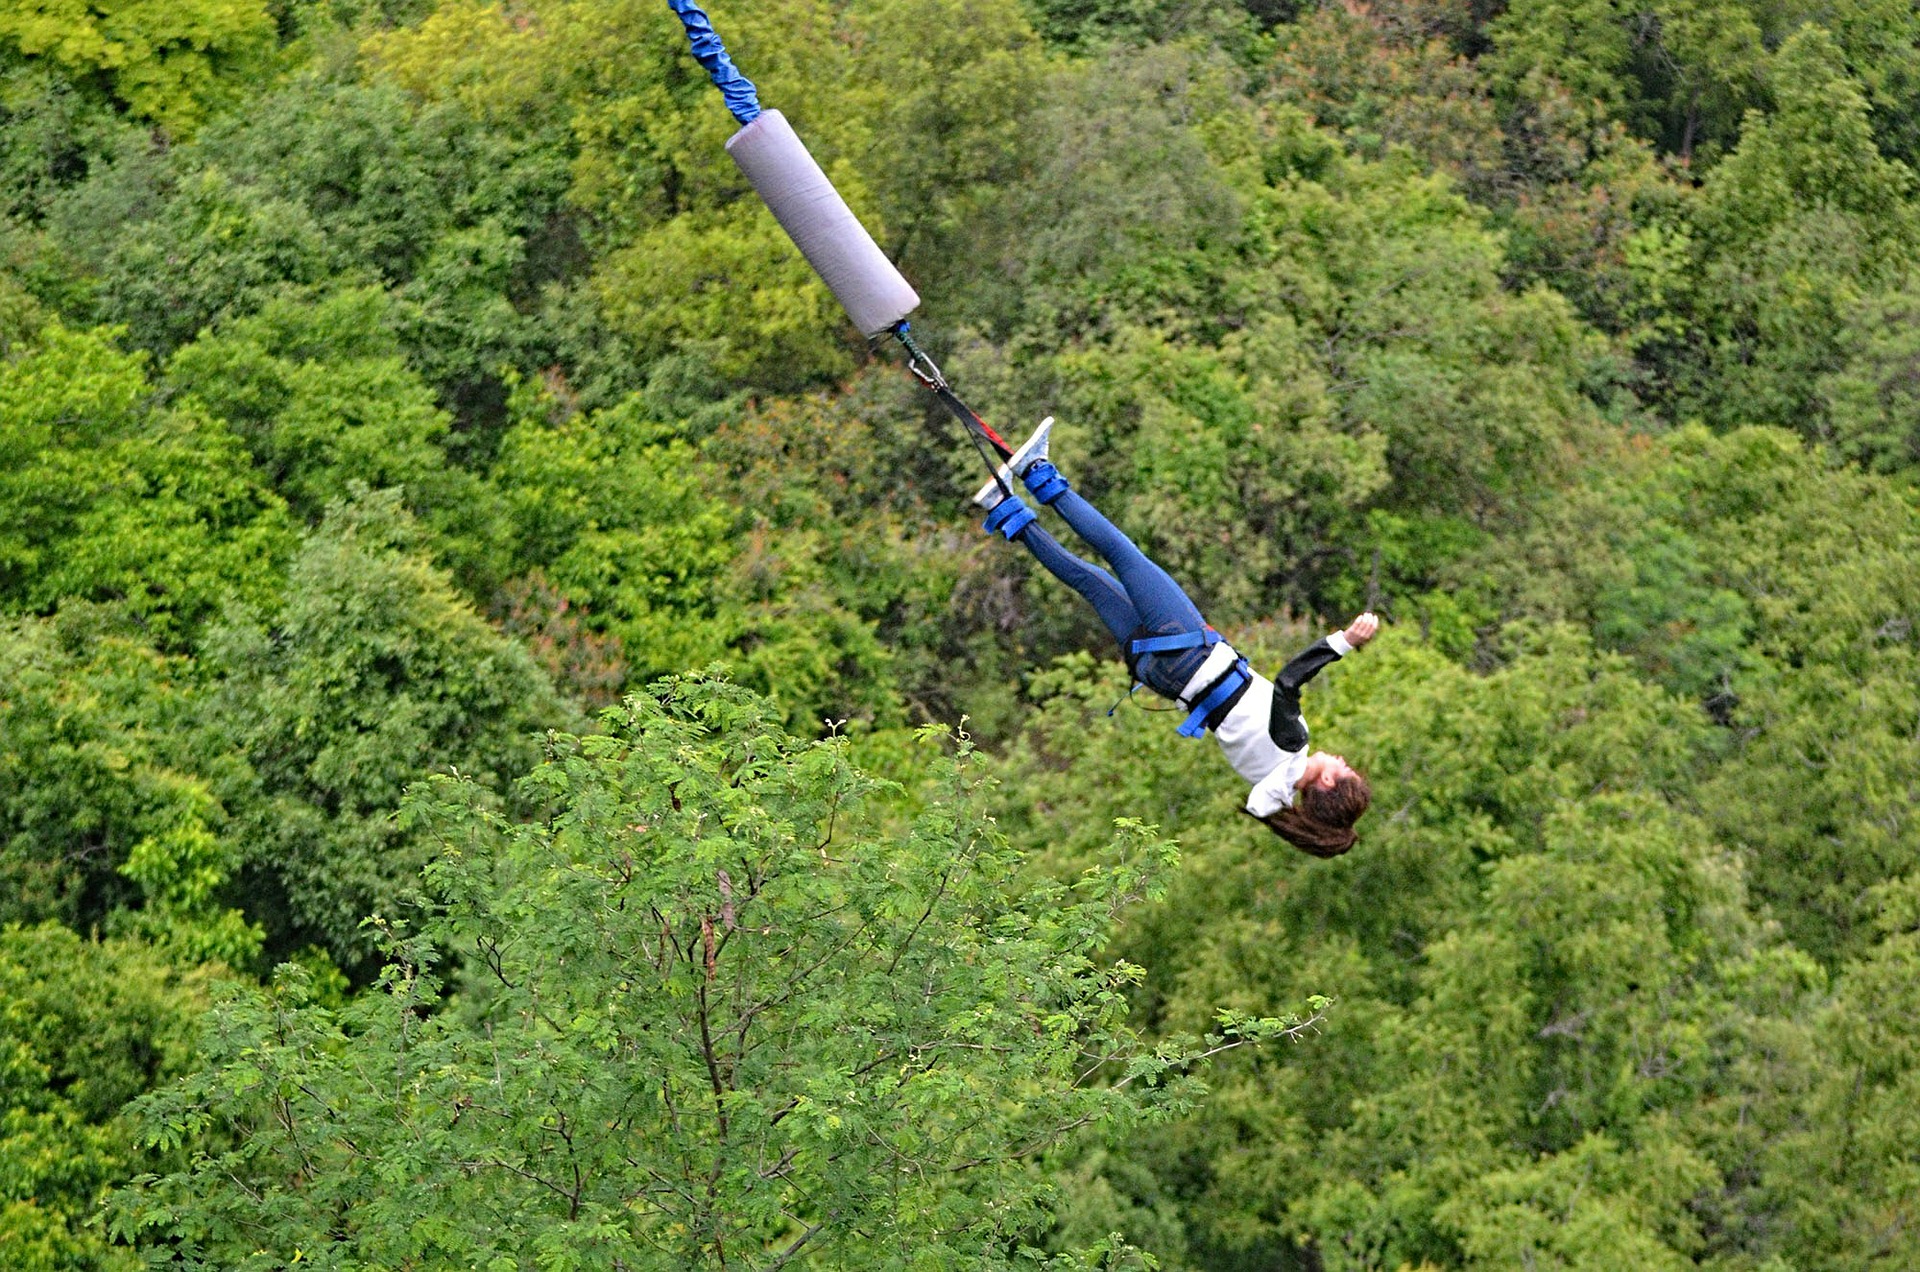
<point>1029,452</point>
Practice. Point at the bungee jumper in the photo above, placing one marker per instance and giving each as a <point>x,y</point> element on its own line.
<point>1310,799</point>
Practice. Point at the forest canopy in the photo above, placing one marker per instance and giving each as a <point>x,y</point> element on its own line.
<point>516,753</point>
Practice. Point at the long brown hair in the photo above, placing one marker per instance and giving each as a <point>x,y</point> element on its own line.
<point>1321,819</point>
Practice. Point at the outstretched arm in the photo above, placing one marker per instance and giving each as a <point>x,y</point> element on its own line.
<point>1288,729</point>
<point>1308,663</point>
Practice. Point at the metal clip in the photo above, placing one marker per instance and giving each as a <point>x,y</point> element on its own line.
<point>924,368</point>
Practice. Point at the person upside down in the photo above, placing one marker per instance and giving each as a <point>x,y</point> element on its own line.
<point>1309,799</point>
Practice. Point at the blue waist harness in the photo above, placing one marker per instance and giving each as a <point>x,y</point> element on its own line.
<point>1210,699</point>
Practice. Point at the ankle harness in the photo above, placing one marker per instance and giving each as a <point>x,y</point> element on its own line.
<point>1045,482</point>
<point>1009,517</point>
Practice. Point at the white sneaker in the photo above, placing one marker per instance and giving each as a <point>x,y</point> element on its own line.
<point>1031,452</point>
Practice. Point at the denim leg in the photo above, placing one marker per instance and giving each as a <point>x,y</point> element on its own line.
<point>1163,609</point>
<point>1163,606</point>
<point>1102,590</point>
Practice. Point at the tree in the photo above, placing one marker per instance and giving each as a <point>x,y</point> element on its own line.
<point>1751,573</point>
<point>1846,1170</point>
<point>1307,363</point>
<point>1127,218</point>
<point>86,1026</point>
<point>1088,25</point>
<point>207,247</point>
<point>368,674</point>
<point>105,496</point>
<point>1679,73</point>
<point>463,219</point>
<point>1535,943</point>
<point>1369,73</point>
<point>1790,232</point>
<point>53,132</point>
<point>170,62</point>
<point>959,85</point>
<point>1869,405</point>
<point>674,233</point>
<point>1878,39</point>
<point>107,818</point>
<point>687,561</point>
<point>708,1013</point>
<point>320,391</point>
<point>322,185</point>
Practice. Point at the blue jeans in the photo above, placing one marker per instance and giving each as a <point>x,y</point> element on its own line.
<point>1144,600</point>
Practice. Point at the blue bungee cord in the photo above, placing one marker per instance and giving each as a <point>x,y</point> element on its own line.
<point>868,265</point>
<point>741,96</point>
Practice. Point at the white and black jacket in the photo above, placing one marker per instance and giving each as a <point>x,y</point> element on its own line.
<point>1260,728</point>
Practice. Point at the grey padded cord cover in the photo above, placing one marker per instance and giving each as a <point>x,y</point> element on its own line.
<point>817,219</point>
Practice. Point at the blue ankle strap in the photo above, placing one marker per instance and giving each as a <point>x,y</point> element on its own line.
<point>1009,517</point>
<point>1045,482</point>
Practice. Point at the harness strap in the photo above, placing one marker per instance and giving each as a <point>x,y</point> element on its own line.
<point>1045,482</point>
<point>981,433</point>
<point>1235,678</point>
<point>1205,638</point>
<point>1009,517</point>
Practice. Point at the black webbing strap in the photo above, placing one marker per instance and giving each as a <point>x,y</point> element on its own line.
<point>973,423</point>
<point>978,430</point>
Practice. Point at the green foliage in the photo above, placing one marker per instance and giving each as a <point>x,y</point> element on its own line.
<point>915,112</point>
<point>1685,76</point>
<point>1568,186</point>
<point>207,247</point>
<point>1575,337</point>
<point>1370,75</point>
<point>1848,1171</point>
<point>105,496</point>
<point>710,1015</point>
<point>1800,223</point>
<point>681,285</point>
<point>370,673</point>
<point>1680,73</point>
<point>99,787</point>
<point>678,246</point>
<point>85,1026</point>
<point>1878,37</point>
<point>685,564</point>
<point>52,131</point>
<point>1591,1206</point>
<point>1869,402</point>
<point>1087,25</point>
<point>1125,217</point>
<point>957,83</point>
<point>853,586</point>
<point>1355,299</point>
<point>327,184</point>
<point>323,397</point>
<point>1747,571</point>
<point>169,61</point>
<point>1534,945</point>
<point>464,223</point>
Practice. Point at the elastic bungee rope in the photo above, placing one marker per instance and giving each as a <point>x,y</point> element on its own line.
<point>743,100</point>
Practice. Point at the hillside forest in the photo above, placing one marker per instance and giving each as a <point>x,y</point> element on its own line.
<point>516,753</point>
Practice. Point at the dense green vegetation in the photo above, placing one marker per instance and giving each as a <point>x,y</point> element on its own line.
<point>514,754</point>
